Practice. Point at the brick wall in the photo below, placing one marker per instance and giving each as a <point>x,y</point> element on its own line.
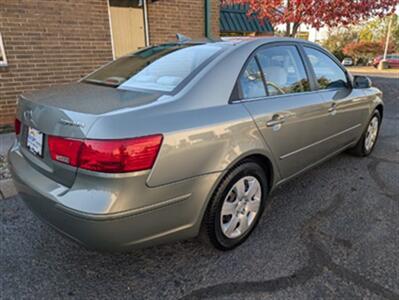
<point>166,18</point>
<point>49,42</point>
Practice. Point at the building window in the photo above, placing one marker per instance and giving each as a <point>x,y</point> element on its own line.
<point>3,59</point>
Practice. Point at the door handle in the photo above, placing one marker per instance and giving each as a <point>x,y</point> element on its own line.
<point>276,120</point>
<point>333,109</point>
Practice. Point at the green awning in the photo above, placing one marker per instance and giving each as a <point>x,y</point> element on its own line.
<point>234,19</point>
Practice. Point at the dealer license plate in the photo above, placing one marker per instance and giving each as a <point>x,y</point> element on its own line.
<point>35,141</point>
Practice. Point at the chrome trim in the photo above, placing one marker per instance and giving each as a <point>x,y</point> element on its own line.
<point>319,142</point>
<point>283,95</point>
<point>71,123</point>
<point>274,122</point>
<point>279,183</point>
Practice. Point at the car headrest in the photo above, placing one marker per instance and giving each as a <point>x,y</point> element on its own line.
<point>277,75</point>
<point>169,80</point>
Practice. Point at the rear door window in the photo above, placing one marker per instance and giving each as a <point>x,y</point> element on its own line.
<point>251,81</point>
<point>283,70</point>
<point>328,73</point>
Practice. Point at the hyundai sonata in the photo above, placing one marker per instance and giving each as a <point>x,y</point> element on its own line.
<point>182,138</point>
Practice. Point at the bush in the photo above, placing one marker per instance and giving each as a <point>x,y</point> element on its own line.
<point>365,50</point>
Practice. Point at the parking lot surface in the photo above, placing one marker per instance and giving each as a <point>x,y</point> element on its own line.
<point>332,233</point>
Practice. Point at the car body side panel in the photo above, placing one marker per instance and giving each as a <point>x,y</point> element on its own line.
<point>373,98</point>
<point>300,140</point>
<point>217,137</point>
<point>351,111</point>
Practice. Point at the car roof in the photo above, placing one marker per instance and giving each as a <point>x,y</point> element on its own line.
<point>226,42</point>
<point>262,40</point>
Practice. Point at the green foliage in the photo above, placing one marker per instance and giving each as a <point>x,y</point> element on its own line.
<point>363,42</point>
<point>376,30</point>
<point>338,39</point>
<point>366,50</point>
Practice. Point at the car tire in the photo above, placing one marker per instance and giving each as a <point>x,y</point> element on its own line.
<point>363,147</point>
<point>243,190</point>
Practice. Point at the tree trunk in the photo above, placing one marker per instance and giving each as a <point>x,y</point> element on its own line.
<point>295,29</point>
<point>288,29</point>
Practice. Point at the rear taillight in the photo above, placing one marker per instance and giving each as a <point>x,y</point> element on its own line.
<point>65,150</point>
<point>17,126</point>
<point>109,156</point>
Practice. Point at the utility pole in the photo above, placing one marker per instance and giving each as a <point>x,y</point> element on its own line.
<point>388,37</point>
<point>383,64</point>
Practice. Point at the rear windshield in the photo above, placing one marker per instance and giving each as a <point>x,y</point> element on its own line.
<point>160,68</point>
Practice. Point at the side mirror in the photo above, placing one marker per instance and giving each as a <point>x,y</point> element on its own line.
<point>361,82</point>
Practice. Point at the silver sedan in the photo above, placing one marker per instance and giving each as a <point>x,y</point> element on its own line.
<point>182,138</point>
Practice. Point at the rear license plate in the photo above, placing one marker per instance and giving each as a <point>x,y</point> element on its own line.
<point>35,141</point>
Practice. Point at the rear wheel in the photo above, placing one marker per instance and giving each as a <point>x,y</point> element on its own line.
<point>236,206</point>
<point>369,138</point>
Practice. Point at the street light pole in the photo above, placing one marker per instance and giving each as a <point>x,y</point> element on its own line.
<point>383,63</point>
<point>388,37</point>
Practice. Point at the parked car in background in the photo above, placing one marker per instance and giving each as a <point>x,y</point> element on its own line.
<point>347,61</point>
<point>182,138</point>
<point>392,60</point>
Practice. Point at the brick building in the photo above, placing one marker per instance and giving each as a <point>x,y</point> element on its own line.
<point>48,42</point>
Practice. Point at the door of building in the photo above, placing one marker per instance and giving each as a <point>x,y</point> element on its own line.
<point>127,25</point>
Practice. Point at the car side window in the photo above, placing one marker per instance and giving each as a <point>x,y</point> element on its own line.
<point>283,70</point>
<point>251,81</point>
<point>328,73</point>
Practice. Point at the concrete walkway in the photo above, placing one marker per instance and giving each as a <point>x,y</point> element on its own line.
<point>7,188</point>
<point>371,71</point>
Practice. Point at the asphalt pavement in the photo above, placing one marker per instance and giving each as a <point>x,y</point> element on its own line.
<point>332,233</point>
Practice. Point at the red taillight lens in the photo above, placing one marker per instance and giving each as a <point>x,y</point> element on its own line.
<point>64,150</point>
<point>17,126</point>
<point>109,156</point>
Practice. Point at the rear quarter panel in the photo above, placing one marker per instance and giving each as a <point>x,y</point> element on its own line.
<point>216,139</point>
<point>203,133</point>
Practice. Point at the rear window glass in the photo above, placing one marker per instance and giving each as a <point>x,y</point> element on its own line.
<point>160,68</point>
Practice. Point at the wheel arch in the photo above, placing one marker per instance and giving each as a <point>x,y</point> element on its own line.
<point>261,158</point>
<point>264,161</point>
<point>380,109</point>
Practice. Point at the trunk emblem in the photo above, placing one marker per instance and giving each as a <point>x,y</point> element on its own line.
<point>28,115</point>
<point>72,123</point>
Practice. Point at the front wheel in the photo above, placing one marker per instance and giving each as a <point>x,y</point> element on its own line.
<point>369,138</point>
<point>236,206</point>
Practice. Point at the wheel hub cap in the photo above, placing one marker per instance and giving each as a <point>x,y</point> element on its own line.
<point>372,133</point>
<point>240,207</point>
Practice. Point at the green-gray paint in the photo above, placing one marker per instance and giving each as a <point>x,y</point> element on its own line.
<point>208,25</point>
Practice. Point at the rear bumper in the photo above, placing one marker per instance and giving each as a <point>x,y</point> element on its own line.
<point>115,223</point>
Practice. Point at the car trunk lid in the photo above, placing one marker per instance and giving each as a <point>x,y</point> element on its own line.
<point>68,111</point>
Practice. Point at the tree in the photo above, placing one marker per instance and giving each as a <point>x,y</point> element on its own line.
<point>316,13</point>
<point>338,39</point>
<point>376,30</point>
<point>365,50</point>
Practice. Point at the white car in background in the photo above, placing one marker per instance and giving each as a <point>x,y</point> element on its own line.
<point>347,61</point>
